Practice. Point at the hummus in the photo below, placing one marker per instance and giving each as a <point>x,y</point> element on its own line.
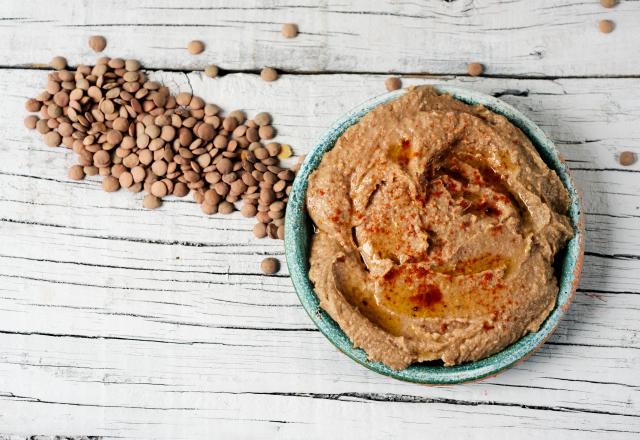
<point>437,226</point>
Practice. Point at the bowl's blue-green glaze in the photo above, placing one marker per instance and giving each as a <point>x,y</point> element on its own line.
<point>298,231</point>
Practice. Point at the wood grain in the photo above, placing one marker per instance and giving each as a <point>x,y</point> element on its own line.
<point>122,322</point>
<point>523,38</point>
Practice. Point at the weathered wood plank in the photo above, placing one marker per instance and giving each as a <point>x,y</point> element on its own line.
<point>531,38</point>
<point>319,417</point>
<point>111,315</point>
<point>218,383</point>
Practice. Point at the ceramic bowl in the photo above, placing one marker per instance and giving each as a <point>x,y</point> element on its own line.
<point>298,232</point>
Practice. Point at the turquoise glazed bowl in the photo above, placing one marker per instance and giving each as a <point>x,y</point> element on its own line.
<point>299,230</point>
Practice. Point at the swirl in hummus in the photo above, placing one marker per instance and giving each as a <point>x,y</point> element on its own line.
<point>437,226</point>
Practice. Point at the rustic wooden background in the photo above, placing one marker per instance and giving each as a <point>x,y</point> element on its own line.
<point>126,323</point>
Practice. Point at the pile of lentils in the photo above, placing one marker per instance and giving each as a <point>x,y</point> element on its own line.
<point>136,135</point>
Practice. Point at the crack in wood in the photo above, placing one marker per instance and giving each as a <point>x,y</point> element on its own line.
<point>577,344</point>
<point>511,92</point>
<point>343,397</point>
<point>596,382</point>
<point>74,283</point>
<point>621,170</point>
<point>408,73</point>
<point>150,269</point>
<point>612,292</point>
<point>122,338</point>
<point>613,256</point>
<point>412,399</point>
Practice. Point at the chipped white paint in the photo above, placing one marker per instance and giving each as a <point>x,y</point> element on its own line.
<point>122,322</point>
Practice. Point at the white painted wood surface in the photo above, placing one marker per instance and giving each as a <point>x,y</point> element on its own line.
<point>126,323</point>
<point>522,37</point>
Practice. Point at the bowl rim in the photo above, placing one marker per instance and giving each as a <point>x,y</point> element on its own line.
<point>296,251</point>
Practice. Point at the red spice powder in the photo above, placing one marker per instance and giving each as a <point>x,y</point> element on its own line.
<point>427,296</point>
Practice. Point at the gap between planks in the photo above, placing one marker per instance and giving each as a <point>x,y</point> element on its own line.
<point>409,74</point>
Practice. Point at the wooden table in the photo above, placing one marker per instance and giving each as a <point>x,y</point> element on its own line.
<point>126,323</point>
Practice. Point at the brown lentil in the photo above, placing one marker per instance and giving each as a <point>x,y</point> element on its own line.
<point>226,208</point>
<point>627,158</point>
<point>273,148</point>
<point>606,26</point>
<point>58,63</point>
<point>266,132</point>
<point>97,43</point>
<point>289,30</point>
<point>52,139</point>
<point>262,118</point>
<point>195,47</point>
<point>110,184</point>
<point>132,65</point>
<point>125,179</point>
<point>608,3</point>
<point>159,189</point>
<point>32,105</point>
<point>268,74</point>
<point>211,71</point>
<point>76,172</point>
<point>393,83</point>
<point>248,210</point>
<point>260,230</point>
<point>180,189</point>
<point>475,69</point>
<point>238,115</point>
<point>270,265</point>
<point>31,121</point>
<point>208,208</point>
<point>151,202</point>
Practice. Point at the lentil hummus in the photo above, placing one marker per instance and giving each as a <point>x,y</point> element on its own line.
<point>437,227</point>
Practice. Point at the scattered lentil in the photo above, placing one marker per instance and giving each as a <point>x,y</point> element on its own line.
<point>608,3</point>
<point>475,69</point>
<point>627,158</point>
<point>211,71</point>
<point>270,265</point>
<point>393,83</point>
<point>606,26</point>
<point>195,47</point>
<point>289,30</point>
<point>269,74</point>
<point>97,43</point>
